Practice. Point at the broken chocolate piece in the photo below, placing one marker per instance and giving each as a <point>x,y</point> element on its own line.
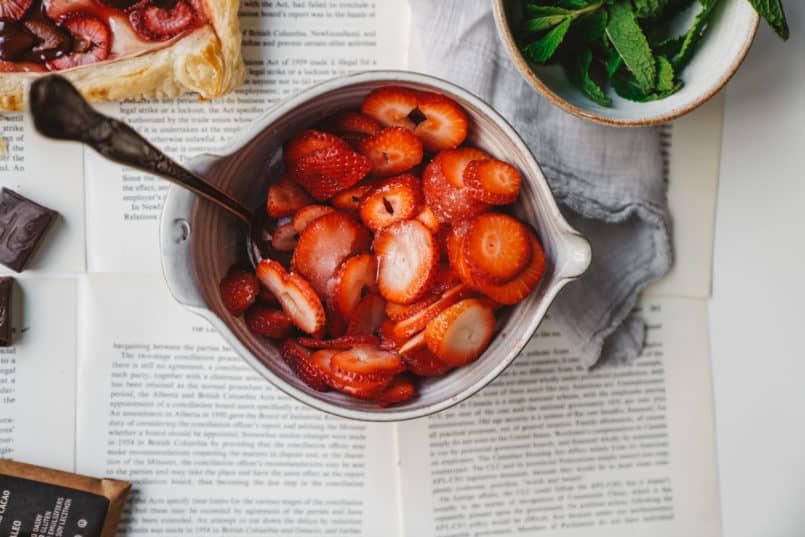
<point>22,225</point>
<point>5,311</point>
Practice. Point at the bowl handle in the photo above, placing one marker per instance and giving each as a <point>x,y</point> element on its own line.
<point>579,256</point>
<point>174,245</point>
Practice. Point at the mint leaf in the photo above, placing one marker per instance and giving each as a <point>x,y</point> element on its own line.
<point>649,9</point>
<point>665,75</point>
<point>545,11</point>
<point>772,11</point>
<point>540,24</point>
<point>691,39</point>
<point>613,62</point>
<point>626,85</point>
<point>543,49</point>
<point>578,71</point>
<point>629,40</point>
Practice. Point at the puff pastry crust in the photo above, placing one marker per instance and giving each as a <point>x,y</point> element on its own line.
<point>206,60</point>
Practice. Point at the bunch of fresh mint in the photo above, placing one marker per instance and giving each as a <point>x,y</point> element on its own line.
<point>627,43</point>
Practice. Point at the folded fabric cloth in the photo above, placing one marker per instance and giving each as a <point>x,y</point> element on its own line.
<point>610,181</point>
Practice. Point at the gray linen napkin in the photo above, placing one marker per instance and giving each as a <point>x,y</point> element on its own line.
<point>610,181</point>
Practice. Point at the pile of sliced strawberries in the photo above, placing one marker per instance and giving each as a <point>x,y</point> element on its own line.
<point>401,249</point>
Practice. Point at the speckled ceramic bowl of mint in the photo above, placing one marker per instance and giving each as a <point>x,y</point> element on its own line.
<point>719,55</point>
<point>199,241</point>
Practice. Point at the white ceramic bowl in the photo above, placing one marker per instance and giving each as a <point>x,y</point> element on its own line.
<point>732,30</point>
<point>199,241</point>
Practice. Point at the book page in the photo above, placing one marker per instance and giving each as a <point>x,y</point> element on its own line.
<point>213,448</point>
<point>694,150</point>
<point>50,173</point>
<point>552,449</point>
<point>37,375</point>
<point>287,47</point>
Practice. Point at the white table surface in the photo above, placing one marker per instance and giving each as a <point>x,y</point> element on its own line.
<point>756,314</point>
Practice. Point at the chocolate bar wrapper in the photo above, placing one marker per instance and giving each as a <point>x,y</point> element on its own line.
<point>39,501</point>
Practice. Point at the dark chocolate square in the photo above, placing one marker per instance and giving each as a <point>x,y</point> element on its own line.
<point>22,225</point>
<point>6,335</point>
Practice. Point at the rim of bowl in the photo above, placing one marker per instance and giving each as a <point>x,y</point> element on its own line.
<point>539,183</point>
<point>505,34</point>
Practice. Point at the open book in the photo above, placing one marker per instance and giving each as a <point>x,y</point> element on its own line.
<point>110,377</point>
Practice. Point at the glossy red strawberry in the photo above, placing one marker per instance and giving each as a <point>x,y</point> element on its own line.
<point>92,41</point>
<point>268,322</point>
<point>161,22</point>
<point>326,172</point>
<point>393,151</point>
<point>239,289</point>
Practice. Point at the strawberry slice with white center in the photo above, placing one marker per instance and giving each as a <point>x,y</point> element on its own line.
<point>390,201</point>
<point>445,125</point>
<point>328,171</point>
<point>368,316</point>
<point>366,362</point>
<point>492,181</point>
<point>448,202</point>
<point>159,23</point>
<point>300,360</point>
<point>343,342</point>
<point>285,197</point>
<point>459,334</point>
<point>394,150</point>
<point>297,298</point>
<point>350,200</point>
<point>398,312</point>
<point>355,278</point>
<point>306,215</point>
<point>92,41</point>
<point>391,106</point>
<point>14,9</point>
<point>284,238</point>
<point>354,386</point>
<point>497,247</point>
<point>414,344</point>
<point>307,142</point>
<point>427,217</point>
<point>407,260</point>
<point>455,161</point>
<point>416,323</point>
<point>324,245</point>
<point>401,389</point>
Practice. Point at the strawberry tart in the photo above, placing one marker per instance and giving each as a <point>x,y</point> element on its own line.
<point>116,49</point>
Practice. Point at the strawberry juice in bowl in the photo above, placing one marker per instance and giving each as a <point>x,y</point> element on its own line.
<point>200,243</point>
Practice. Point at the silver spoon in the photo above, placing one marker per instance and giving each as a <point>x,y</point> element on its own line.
<point>59,111</point>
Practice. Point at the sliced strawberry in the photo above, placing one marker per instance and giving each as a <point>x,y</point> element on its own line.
<point>350,200</point>
<point>13,10</point>
<point>158,23</point>
<point>284,238</point>
<point>328,171</point>
<point>390,201</point>
<point>336,323</point>
<point>355,278</point>
<point>363,389</point>
<point>492,181</point>
<point>368,316</point>
<point>424,363</point>
<point>92,41</point>
<point>414,344</point>
<point>366,362</point>
<point>407,260</point>
<point>395,150</point>
<point>521,286</point>
<point>496,247</point>
<point>348,123</point>
<point>239,290</point>
<point>461,332</point>
<point>268,322</point>
<point>306,215</point>
<point>455,161</point>
<point>308,141</point>
<point>448,203</point>
<point>414,324</point>
<point>285,197</point>
<point>401,389</point>
<point>300,360</point>
<point>445,125</point>
<point>343,342</point>
<point>391,106</point>
<point>388,341</point>
<point>322,363</point>
<point>398,312</point>
<point>324,245</point>
<point>427,217</point>
<point>296,296</point>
